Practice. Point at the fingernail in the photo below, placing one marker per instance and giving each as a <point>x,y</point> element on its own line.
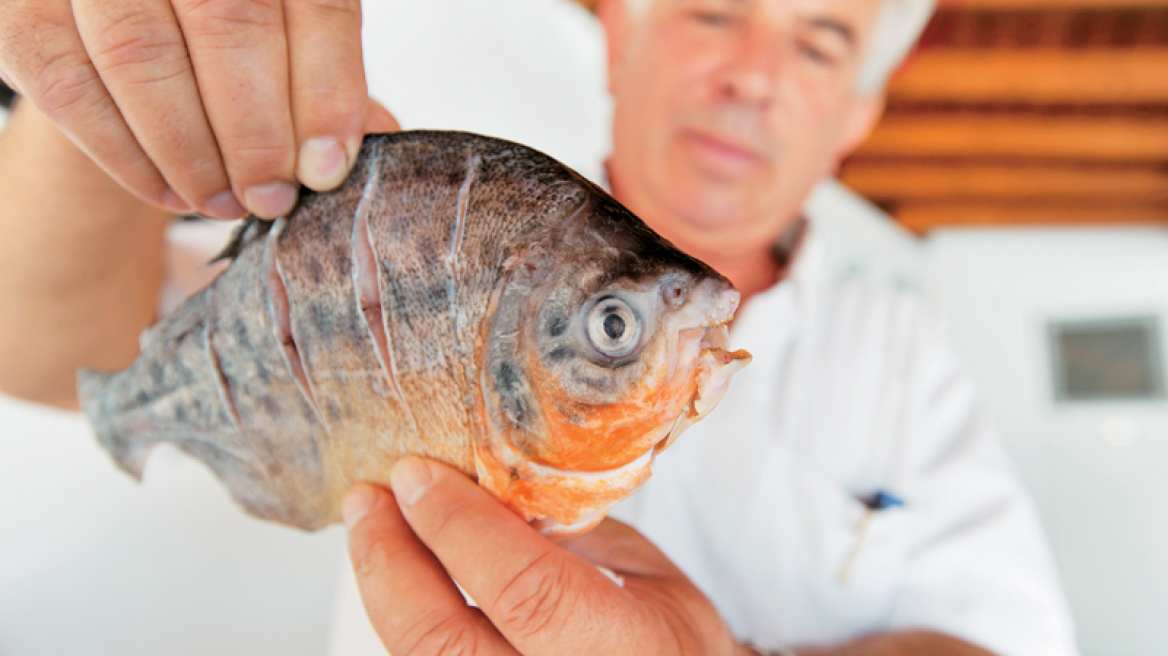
<point>224,206</point>
<point>172,202</point>
<point>322,163</point>
<point>270,200</point>
<point>356,504</point>
<point>409,478</point>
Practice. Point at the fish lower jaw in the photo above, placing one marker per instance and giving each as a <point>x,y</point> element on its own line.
<point>716,366</point>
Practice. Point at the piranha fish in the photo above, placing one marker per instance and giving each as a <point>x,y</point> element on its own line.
<point>459,298</point>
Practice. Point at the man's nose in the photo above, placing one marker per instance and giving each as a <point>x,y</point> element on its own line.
<point>752,67</point>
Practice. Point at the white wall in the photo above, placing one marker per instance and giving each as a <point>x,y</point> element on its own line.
<point>1099,470</point>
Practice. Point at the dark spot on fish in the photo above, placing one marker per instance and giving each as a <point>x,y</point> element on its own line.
<point>506,379</point>
<point>602,384</point>
<point>558,354</point>
<point>182,335</point>
<point>518,410</point>
<point>427,244</point>
<point>242,335</point>
<point>314,270</point>
<point>141,398</point>
<point>197,405</point>
<point>334,411</point>
<point>180,371</point>
<point>180,413</point>
<point>556,325</point>
<point>262,371</point>
<point>269,405</point>
<point>509,386</point>
<point>344,265</point>
<point>157,374</point>
<point>322,319</point>
<point>514,475</point>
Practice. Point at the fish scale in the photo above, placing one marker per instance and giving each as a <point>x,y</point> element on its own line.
<point>404,313</point>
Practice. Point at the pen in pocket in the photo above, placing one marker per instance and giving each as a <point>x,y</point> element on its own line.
<point>873,503</point>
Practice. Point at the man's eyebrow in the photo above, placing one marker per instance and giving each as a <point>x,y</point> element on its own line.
<point>839,27</point>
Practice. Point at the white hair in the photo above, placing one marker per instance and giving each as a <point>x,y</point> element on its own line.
<point>898,25</point>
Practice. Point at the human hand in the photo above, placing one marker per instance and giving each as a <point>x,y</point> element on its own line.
<point>210,105</point>
<point>535,596</point>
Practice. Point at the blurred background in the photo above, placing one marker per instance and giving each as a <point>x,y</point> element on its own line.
<point>1019,180</point>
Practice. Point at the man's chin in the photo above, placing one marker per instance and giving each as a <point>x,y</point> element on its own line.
<point>724,206</point>
<point>705,228</point>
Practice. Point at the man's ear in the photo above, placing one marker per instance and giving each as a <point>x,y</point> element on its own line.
<point>614,16</point>
<point>862,117</point>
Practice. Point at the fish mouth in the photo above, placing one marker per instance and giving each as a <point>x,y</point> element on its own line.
<point>703,352</point>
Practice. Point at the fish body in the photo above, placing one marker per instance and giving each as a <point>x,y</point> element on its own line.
<point>459,298</point>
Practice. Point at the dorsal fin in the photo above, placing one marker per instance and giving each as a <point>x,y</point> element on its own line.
<point>253,227</point>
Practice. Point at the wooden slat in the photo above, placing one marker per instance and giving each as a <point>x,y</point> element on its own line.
<point>887,180</point>
<point>923,217</point>
<point>1113,139</point>
<point>1101,76</point>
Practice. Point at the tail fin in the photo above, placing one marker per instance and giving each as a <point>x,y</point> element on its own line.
<point>93,393</point>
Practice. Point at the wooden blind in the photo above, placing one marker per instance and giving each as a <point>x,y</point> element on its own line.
<point>1026,112</point>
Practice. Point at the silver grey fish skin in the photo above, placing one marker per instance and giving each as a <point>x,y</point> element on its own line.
<point>366,325</point>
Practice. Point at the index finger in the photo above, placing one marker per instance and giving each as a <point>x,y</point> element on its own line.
<point>543,599</point>
<point>239,51</point>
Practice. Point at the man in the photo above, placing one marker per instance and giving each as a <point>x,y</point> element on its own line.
<point>782,508</point>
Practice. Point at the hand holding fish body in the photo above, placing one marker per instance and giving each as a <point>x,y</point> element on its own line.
<point>459,298</point>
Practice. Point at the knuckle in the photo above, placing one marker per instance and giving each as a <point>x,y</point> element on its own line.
<point>370,557</point>
<point>450,636</point>
<point>67,84</point>
<point>538,600</point>
<point>256,162</point>
<point>222,20</point>
<point>144,51</point>
<point>320,112</point>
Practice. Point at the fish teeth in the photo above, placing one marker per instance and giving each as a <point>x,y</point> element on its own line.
<point>714,321</point>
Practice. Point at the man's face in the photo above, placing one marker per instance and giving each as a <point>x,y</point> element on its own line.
<point>727,112</point>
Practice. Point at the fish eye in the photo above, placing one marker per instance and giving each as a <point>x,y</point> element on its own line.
<point>613,328</point>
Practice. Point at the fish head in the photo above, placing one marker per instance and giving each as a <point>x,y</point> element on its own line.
<point>615,342</point>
